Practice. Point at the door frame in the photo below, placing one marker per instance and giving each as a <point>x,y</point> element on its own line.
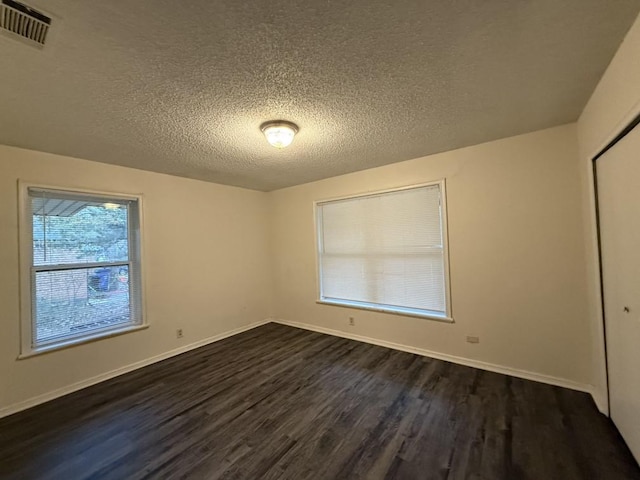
<point>623,133</point>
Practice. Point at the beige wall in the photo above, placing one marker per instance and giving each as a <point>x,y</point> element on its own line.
<point>616,99</point>
<point>516,247</point>
<point>517,240</point>
<point>206,268</point>
<point>614,103</point>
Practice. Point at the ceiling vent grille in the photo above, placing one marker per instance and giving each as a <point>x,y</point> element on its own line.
<point>25,22</point>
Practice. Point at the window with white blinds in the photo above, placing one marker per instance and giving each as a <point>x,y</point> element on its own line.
<point>81,258</point>
<point>386,251</point>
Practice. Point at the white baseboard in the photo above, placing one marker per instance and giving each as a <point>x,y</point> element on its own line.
<point>602,402</point>
<point>32,402</point>
<point>514,372</point>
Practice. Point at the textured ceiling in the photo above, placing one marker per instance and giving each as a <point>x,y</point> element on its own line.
<point>182,87</point>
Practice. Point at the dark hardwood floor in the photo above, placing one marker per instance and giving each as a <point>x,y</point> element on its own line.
<point>279,402</point>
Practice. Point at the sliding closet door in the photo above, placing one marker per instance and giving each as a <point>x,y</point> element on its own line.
<point>618,177</point>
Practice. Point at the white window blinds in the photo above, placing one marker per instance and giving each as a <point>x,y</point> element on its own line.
<point>385,251</point>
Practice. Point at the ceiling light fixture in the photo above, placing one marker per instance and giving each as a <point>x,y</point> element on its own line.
<point>279,133</point>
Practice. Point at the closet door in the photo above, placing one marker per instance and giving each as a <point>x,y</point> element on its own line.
<point>618,181</point>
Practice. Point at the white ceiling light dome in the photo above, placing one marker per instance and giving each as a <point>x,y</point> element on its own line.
<point>279,133</point>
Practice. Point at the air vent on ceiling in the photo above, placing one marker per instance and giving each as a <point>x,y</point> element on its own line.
<point>24,21</point>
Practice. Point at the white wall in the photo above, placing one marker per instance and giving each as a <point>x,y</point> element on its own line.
<point>206,268</point>
<point>614,103</point>
<point>518,278</point>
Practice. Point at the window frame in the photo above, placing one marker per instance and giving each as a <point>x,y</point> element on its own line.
<point>404,311</point>
<point>27,270</point>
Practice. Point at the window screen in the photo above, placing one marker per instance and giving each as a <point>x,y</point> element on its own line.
<point>85,272</point>
<point>385,251</point>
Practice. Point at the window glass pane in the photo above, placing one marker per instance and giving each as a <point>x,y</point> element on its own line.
<point>71,230</point>
<point>74,302</point>
<point>69,299</point>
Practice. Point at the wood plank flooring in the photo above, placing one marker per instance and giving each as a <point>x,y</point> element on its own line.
<point>282,403</point>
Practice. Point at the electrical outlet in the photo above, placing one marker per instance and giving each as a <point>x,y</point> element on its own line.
<point>473,339</point>
<point>352,321</point>
<point>179,333</point>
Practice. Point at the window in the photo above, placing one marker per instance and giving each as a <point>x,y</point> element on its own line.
<point>80,255</point>
<point>386,251</point>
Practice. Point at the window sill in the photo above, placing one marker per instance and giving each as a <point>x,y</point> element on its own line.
<point>73,342</point>
<point>393,311</point>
